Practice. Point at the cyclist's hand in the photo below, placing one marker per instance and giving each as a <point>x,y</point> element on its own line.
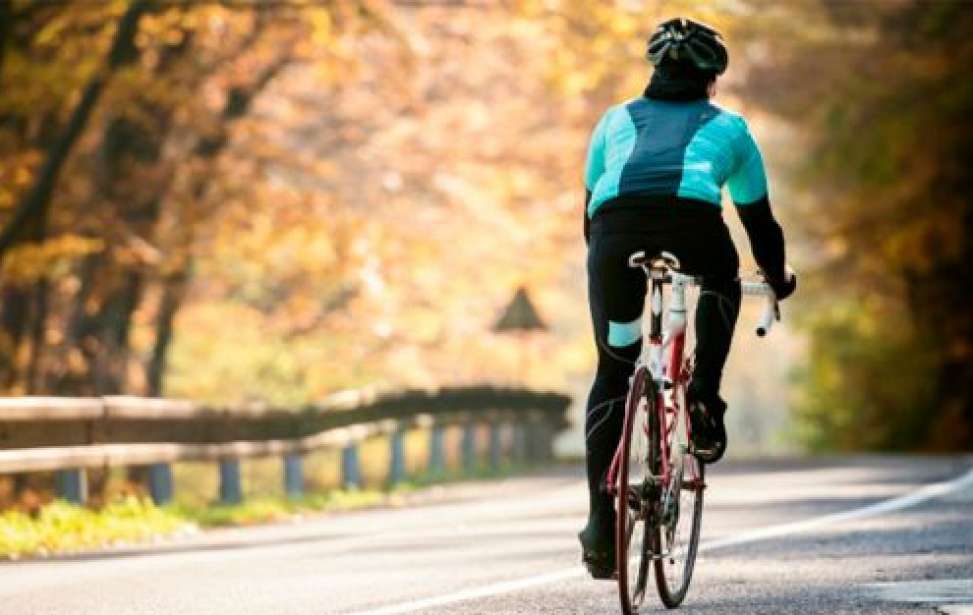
<point>784,288</point>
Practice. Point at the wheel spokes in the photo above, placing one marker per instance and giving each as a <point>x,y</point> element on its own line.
<point>677,532</point>
<point>643,570</point>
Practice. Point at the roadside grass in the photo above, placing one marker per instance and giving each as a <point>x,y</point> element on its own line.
<point>258,510</point>
<point>254,511</point>
<point>60,527</point>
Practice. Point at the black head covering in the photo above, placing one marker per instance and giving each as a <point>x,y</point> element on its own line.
<point>679,82</point>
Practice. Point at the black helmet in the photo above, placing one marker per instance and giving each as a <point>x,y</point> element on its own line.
<point>686,41</point>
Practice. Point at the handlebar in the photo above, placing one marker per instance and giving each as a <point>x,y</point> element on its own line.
<point>771,311</point>
<point>665,266</point>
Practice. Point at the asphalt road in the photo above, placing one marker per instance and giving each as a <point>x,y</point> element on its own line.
<point>851,535</point>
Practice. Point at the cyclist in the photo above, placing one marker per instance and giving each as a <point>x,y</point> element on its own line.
<point>654,173</point>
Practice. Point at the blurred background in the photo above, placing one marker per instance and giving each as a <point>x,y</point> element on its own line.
<point>237,202</point>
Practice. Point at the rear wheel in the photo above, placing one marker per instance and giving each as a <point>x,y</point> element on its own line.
<point>636,492</point>
<point>676,538</point>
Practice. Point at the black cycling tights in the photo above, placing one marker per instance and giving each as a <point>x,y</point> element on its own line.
<point>616,293</point>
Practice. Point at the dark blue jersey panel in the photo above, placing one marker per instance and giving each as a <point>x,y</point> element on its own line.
<point>665,130</point>
<point>655,166</point>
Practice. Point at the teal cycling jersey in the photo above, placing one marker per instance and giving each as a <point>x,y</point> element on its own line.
<point>656,148</point>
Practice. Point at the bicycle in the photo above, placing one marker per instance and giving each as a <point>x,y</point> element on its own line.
<point>655,460</point>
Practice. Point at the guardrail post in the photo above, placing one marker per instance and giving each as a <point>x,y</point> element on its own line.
<point>469,446</point>
<point>437,453</point>
<point>533,441</point>
<point>519,442</point>
<point>496,445</point>
<point>293,475</point>
<point>350,468</point>
<point>546,432</point>
<point>397,457</point>
<point>231,490</point>
<point>71,485</point>
<point>160,483</point>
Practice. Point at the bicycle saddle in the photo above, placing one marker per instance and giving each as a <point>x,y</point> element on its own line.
<point>662,260</point>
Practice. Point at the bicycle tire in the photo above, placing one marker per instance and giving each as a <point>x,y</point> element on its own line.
<point>641,402</point>
<point>671,596</point>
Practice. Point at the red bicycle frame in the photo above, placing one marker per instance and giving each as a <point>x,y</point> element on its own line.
<point>670,376</point>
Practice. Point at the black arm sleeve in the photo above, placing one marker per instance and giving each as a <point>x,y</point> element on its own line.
<point>584,212</point>
<point>766,237</point>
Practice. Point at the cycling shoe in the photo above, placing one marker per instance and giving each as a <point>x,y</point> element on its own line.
<point>598,555</point>
<point>709,431</point>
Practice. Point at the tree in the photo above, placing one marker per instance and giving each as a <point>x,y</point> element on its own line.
<point>890,350</point>
<point>33,204</point>
<point>29,221</point>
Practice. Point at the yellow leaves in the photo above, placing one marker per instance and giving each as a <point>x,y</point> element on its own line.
<point>30,86</point>
<point>574,83</point>
<point>28,262</point>
<point>321,25</point>
<point>60,527</point>
<point>620,24</point>
<point>928,240</point>
<point>77,29</point>
<point>16,175</point>
<point>22,177</point>
<point>165,26</point>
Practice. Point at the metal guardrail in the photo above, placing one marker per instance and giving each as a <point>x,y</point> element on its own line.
<point>69,435</point>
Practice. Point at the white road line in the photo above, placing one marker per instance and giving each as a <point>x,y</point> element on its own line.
<point>919,496</point>
<point>933,591</point>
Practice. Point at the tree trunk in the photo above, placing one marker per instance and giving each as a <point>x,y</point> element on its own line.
<point>6,21</point>
<point>116,323</point>
<point>237,104</point>
<point>32,383</point>
<point>34,319</point>
<point>35,201</point>
<point>14,309</point>
<point>172,294</point>
<point>119,282</point>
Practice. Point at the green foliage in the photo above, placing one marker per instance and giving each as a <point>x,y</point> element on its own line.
<point>891,346</point>
<point>62,527</point>
<point>264,510</point>
<point>867,382</point>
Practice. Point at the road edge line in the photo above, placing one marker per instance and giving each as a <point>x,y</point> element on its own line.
<point>924,494</point>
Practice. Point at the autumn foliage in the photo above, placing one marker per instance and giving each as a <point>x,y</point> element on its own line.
<point>236,201</point>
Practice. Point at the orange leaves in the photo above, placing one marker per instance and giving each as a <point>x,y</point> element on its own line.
<point>52,258</point>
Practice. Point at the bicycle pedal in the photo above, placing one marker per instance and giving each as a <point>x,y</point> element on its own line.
<point>695,450</point>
